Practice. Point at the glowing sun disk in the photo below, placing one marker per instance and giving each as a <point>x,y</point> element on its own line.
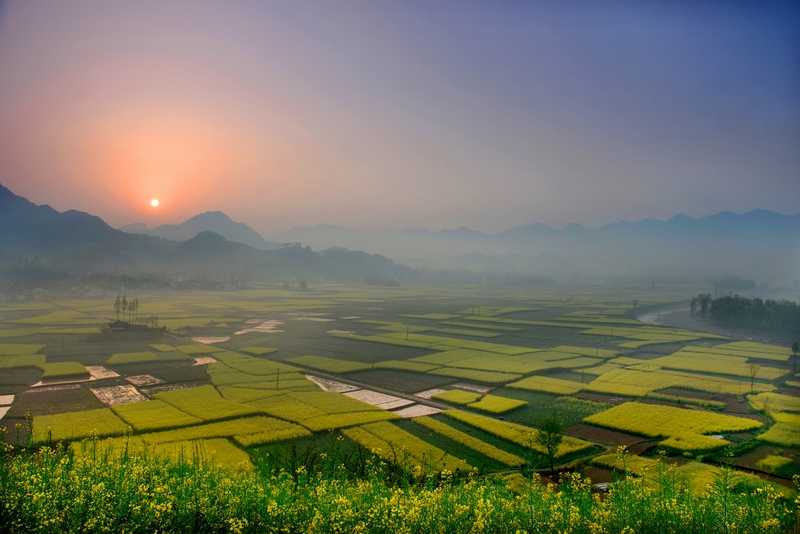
<point>154,203</point>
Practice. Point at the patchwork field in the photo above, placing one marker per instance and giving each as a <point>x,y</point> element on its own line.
<point>434,377</point>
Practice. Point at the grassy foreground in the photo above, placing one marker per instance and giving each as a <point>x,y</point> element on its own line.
<point>55,490</point>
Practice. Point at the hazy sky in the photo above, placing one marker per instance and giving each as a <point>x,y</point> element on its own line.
<point>401,114</point>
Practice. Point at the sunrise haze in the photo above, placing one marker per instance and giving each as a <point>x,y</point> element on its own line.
<point>405,114</point>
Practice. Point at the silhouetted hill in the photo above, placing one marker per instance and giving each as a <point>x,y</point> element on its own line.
<point>212,221</point>
<point>26,227</point>
<point>77,242</point>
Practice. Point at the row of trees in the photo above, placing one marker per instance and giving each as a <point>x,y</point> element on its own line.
<point>129,307</point>
<point>779,316</point>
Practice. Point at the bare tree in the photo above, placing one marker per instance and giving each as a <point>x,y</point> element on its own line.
<point>752,371</point>
<point>124,306</point>
<point>117,307</point>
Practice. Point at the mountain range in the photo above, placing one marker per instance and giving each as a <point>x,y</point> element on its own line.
<point>39,243</point>
<point>211,221</point>
<point>759,244</point>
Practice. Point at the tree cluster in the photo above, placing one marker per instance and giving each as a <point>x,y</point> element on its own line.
<point>779,316</point>
<point>129,307</point>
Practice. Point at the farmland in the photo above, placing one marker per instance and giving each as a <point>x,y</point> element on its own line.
<point>426,377</point>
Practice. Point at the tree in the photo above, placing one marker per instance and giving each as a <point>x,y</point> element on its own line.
<point>549,437</point>
<point>124,306</point>
<point>117,307</point>
<point>752,371</point>
<point>693,306</point>
<point>705,301</point>
<point>303,284</point>
<point>795,352</point>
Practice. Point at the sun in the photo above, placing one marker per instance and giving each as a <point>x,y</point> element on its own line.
<point>154,203</point>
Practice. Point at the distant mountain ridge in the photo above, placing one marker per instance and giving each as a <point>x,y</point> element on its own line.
<point>210,221</point>
<point>758,243</point>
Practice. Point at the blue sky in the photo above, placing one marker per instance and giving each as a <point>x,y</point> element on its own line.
<point>398,114</point>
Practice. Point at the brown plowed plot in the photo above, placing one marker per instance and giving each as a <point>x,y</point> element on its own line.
<point>54,399</point>
<point>750,459</point>
<point>19,377</point>
<point>737,408</point>
<point>641,448</point>
<point>602,435</point>
<point>598,475</point>
<point>400,380</point>
<point>753,416</point>
<point>602,398</point>
<point>792,392</point>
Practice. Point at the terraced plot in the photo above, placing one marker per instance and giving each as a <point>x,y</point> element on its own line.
<point>496,404</point>
<point>636,383</point>
<point>457,396</point>
<point>785,432</point>
<point>77,425</point>
<point>523,436</point>
<point>132,357</point>
<point>775,402</point>
<point>396,445</point>
<point>485,377</point>
<point>330,365</point>
<point>205,403</point>
<point>683,429</point>
<point>698,476</point>
<point>64,370</point>
<point>475,444</point>
<point>154,415</point>
<point>716,364</point>
<point>547,384</point>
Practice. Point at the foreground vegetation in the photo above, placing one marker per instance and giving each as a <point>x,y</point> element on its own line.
<point>221,422</point>
<point>52,490</point>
